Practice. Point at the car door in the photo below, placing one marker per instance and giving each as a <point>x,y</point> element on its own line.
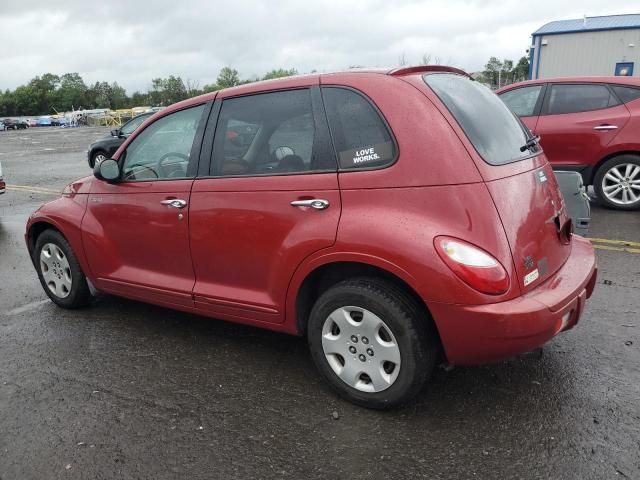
<point>136,231</point>
<point>269,200</point>
<point>526,103</point>
<point>578,121</point>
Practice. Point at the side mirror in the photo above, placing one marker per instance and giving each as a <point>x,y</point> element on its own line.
<point>115,133</point>
<point>107,170</point>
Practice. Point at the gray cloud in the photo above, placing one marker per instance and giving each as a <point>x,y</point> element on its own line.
<point>133,42</point>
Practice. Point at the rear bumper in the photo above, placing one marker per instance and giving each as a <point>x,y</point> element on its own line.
<point>486,333</point>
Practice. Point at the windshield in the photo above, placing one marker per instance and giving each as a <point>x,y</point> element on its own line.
<point>492,128</point>
<point>131,125</point>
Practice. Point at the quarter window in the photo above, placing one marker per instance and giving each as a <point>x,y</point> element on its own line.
<point>579,98</point>
<point>522,101</point>
<point>268,134</point>
<point>163,149</point>
<point>626,94</point>
<point>360,136</point>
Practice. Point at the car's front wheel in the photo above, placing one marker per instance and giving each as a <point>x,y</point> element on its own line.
<point>97,157</point>
<point>373,343</point>
<point>59,271</point>
<point>617,183</point>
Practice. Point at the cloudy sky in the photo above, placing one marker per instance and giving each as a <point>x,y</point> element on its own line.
<point>133,41</point>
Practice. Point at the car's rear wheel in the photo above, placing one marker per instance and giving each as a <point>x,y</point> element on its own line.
<point>59,271</point>
<point>98,156</point>
<point>373,343</point>
<point>617,183</point>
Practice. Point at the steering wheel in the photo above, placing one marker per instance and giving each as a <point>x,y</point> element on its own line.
<point>175,169</point>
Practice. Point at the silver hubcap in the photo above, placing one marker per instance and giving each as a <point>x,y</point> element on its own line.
<point>100,158</point>
<point>621,184</point>
<point>361,349</point>
<point>55,270</point>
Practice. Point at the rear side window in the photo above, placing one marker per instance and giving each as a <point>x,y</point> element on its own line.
<point>360,136</point>
<point>495,132</point>
<point>522,101</point>
<point>579,98</point>
<point>268,134</point>
<point>626,94</point>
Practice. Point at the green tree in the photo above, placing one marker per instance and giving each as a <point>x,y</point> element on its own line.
<point>228,77</point>
<point>279,73</point>
<point>492,71</point>
<point>521,70</point>
<point>71,93</point>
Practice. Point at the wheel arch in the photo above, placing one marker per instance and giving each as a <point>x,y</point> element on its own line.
<point>606,158</point>
<point>321,275</point>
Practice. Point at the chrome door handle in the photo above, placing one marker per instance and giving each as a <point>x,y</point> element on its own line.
<point>605,127</point>
<point>317,203</point>
<point>174,202</point>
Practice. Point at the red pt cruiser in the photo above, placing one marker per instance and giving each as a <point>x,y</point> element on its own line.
<point>392,217</point>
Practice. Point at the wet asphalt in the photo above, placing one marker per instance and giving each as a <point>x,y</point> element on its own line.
<point>127,390</point>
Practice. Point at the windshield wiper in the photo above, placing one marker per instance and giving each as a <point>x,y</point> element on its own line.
<point>531,142</point>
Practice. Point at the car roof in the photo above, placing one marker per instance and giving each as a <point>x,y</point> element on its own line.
<point>305,80</point>
<point>631,81</point>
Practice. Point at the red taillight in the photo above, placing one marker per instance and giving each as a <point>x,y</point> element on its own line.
<point>472,265</point>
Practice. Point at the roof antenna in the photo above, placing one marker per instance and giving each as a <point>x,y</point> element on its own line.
<point>584,20</point>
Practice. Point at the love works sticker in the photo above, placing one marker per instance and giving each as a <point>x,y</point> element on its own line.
<point>361,157</point>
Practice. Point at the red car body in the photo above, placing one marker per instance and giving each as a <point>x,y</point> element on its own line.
<point>243,254</point>
<point>586,139</point>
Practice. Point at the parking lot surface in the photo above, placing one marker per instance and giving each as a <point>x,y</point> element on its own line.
<point>127,390</point>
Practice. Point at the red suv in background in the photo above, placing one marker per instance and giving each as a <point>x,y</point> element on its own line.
<point>587,124</point>
<point>390,216</point>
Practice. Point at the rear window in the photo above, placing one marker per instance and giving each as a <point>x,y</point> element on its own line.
<point>495,132</point>
<point>568,98</point>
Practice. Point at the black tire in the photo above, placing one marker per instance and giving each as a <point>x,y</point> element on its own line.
<point>79,295</point>
<point>409,323</point>
<point>95,154</point>
<point>599,179</point>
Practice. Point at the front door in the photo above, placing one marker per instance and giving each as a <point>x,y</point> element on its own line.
<point>270,201</point>
<point>578,121</point>
<point>136,231</point>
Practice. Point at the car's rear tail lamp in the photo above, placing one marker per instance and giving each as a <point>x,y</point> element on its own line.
<point>472,265</point>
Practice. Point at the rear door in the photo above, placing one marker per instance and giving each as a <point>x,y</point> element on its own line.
<point>269,200</point>
<point>519,179</point>
<point>578,121</point>
<point>526,103</point>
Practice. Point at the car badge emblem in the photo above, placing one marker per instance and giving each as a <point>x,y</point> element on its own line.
<point>528,262</point>
<point>542,177</point>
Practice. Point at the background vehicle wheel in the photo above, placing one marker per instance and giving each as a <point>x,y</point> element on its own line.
<point>373,343</point>
<point>617,183</point>
<point>98,157</point>
<point>59,271</point>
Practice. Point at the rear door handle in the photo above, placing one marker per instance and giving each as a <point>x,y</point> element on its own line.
<point>174,202</point>
<point>317,203</point>
<point>605,127</point>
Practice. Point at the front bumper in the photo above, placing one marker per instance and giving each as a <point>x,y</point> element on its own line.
<point>486,333</point>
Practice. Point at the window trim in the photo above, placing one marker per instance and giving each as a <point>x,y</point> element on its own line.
<point>208,164</point>
<point>396,146</point>
<point>537,108</point>
<point>192,167</point>
<point>547,100</point>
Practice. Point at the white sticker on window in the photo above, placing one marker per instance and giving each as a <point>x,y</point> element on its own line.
<point>364,156</point>
<point>531,277</point>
